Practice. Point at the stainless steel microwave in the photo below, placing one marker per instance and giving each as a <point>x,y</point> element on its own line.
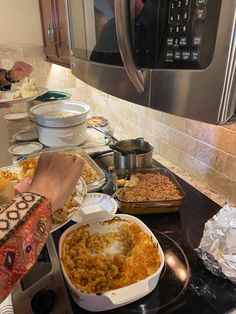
<point>176,56</point>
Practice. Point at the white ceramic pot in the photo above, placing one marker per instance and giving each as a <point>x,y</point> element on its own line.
<point>57,137</point>
<point>61,123</point>
<point>119,297</point>
<point>60,113</point>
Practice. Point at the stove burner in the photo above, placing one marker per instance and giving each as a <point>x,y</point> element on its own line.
<point>172,283</point>
<point>195,232</point>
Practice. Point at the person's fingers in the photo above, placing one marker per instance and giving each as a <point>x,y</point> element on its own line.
<point>42,165</point>
<point>77,167</point>
<point>70,167</point>
<point>27,69</point>
<point>72,171</point>
<point>56,177</point>
<point>20,70</point>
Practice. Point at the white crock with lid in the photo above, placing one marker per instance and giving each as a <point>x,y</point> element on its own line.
<point>61,123</point>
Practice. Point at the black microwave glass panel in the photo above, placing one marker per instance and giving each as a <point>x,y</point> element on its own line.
<point>189,35</point>
<point>171,34</point>
<point>176,34</point>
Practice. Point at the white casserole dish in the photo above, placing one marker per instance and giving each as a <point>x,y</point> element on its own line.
<point>58,137</point>
<point>113,298</point>
<point>61,123</point>
<point>75,113</point>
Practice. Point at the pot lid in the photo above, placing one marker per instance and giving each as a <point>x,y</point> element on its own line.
<point>25,148</point>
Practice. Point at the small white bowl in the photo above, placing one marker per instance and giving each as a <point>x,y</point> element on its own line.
<point>75,113</point>
<point>95,202</point>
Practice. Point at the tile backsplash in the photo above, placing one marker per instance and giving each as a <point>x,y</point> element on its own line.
<point>206,152</point>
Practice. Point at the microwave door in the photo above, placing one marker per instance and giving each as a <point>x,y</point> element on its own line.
<point>228,108</point>
<point>122,18</point>
<point>95,54</point>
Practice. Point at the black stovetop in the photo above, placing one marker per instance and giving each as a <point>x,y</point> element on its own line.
<point>185,285</point>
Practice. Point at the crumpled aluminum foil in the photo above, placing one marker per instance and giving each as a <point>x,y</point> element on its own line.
<point>217,248</point>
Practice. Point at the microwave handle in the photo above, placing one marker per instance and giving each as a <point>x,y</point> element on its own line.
<point>124,41</point>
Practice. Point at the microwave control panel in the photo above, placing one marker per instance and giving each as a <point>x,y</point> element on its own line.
<point>184,33</point>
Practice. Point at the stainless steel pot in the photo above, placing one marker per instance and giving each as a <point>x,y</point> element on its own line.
<point>132,154</point>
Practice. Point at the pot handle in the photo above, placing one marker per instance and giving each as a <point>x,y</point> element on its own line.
<point>123,295</point>
<point>140,139</point>
<point>118,149</point>
<point>70,135</point>
<point>105,132</point>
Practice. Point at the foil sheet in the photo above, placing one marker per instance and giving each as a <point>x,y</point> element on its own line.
<point>217,248</point>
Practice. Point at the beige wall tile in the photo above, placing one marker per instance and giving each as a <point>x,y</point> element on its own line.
<point>154,141</point>
<point>154,114</point>
<point>224,185</point>
<point>160,130</point>
<point>230,125</point>
<point>225,139</point>
<point>170,152</point>
<point>211,156</point>
<point>191,127</point>
<point>174,122</point>
<point>205,132</point>
<point>230,167</point>
<point>193,166</point>
<point>146,123</point>
<point>183,142</point>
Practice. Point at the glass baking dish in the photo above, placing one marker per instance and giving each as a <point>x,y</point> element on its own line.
<point>93,182</point>
<point>148,206</point>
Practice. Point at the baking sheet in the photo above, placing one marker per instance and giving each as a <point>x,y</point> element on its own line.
<point>91,186</point>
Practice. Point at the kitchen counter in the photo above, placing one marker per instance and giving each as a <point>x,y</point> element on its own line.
<point>97,142</point>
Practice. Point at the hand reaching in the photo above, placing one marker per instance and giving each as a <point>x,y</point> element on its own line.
<point>20,70</point>
<point>56,176</point>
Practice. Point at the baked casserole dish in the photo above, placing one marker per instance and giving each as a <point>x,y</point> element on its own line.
<point>146,191</point>
<point>92,175</point>
<point>110,263</point>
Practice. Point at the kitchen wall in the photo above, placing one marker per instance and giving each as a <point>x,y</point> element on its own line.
<point>20,18</point>
<point>206,153</point>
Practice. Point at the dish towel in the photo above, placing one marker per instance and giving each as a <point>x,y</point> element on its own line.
<point>6,307</point>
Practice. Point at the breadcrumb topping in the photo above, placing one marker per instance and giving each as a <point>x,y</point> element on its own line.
<point>100,262</point>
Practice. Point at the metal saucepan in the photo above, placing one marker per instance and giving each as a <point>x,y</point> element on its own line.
<point>131,153</point>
